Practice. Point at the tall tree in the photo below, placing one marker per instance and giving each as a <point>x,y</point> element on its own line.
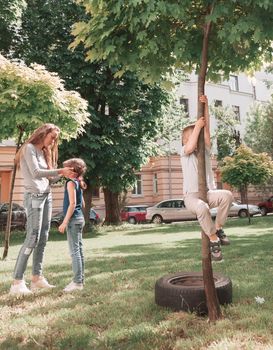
<point>30,97</point>
<point>246,167</point>
<point>125,111</point>
<point>156,37</point>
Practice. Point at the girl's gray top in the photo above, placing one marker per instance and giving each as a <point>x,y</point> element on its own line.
<point>189,164</point>
<point>35,172</point>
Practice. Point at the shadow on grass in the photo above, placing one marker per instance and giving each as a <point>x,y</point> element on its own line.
<point>186,226</point>
<point>189,226</point>
<point>18,237</point>
<point>119,296</point>
<point>256,221</point>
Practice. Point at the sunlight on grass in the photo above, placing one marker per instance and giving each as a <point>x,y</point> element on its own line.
<point>116,309</point>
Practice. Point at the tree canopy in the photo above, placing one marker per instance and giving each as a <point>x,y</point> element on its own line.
<point>259,128</point>
<point>154,37</point>
<point>225,133</point>
<point>10,21</point>
<point>125,111</point>
<point>246,167</point>
<point>36,95</point>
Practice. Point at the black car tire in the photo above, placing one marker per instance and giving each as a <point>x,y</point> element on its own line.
<point>185,291</point>
<point>132,220</point>
<point>157,219</point>
<point>263,211</point>
<point>243,213</point>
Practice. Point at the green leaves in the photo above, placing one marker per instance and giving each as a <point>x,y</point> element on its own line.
<point>150,37</point>
<point>246,167</point>
<point>32,96</point>
<point>224,134</point>
<point>259,128</point>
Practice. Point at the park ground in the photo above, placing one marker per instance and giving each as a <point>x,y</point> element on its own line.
<point>116,309</point>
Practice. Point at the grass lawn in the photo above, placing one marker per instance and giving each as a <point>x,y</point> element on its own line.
<point>116,309</point>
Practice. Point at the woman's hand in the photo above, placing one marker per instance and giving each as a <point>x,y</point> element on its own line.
<point>68,172</point>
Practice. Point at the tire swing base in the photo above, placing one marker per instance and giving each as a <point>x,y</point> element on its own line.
<point>184,291</point>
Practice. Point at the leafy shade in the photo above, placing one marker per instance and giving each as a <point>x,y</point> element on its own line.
<point>246,167</point>
<point>225,131</point>
<point>155,37</point>
<point>10,21</point>
<point>32,96</point>
<point>122,136</point>
<point>126,113</point>
<point>259,128</point>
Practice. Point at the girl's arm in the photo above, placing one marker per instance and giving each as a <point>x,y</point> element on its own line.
<point>191,144</point>
<point>71,189</point>
<point>204,100</point>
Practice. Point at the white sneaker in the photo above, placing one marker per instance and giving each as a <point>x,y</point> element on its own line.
<point>72,286</point>
<point>19,289</point>
<point>41,283</point>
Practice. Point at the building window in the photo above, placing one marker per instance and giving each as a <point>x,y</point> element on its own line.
<point>137,189</point>
<point>236,110</point>
<point>218,103</point>
<point>185,104</point>
<point>233,82</point>
<point>155,183</point>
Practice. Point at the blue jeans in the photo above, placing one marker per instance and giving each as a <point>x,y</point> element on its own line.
<point>39,209</point>
<point>74,236</point>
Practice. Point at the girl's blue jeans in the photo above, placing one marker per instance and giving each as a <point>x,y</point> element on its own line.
<point>74,236</point>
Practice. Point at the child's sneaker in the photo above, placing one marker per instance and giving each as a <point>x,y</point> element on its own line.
<point>72,286</point>
<point>41,283</point>
<point>223,237</point>
<point>19,289</point>
<point>215,251</point>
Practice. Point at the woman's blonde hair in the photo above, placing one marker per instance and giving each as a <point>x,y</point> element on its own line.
<point>37,137</point>
<point>79,167</point>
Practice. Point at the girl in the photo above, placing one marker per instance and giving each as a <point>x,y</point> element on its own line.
<point>37,159</point>
<point>216,198</point>
<point>73,221</point>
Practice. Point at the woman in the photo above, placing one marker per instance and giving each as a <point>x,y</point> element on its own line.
<point>37,159</point>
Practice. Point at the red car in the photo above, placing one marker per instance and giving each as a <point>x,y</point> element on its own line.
<point>134,213</point>
<point>267,206</point>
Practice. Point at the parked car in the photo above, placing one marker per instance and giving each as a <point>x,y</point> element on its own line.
<point>175,210</point>
<point>168,211</point>
<point>238,209</point>
<point>57,219</point>
<point>18,217</point>
<point>134,213</point>
<point>266,206</point>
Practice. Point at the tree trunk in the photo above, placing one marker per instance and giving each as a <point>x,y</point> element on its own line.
<point>8,227</point>
<point>112,211</point>
<point>87,195</point>
<point>214,311</point>
<point>246,197</point>
<point>243,194</point>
